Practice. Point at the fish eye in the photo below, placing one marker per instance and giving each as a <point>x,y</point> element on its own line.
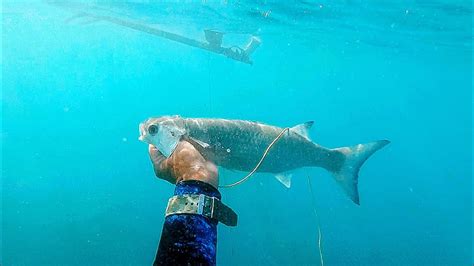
<point>152,130</point>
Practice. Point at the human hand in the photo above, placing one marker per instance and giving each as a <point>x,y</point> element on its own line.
<point>185,163</point>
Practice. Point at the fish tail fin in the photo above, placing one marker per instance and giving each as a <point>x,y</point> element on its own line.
<point>348,174</point>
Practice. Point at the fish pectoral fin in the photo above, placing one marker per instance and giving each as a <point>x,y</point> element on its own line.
<point>303,129</point>
<point>167,144</point>
<point>285,179</point>
<point>201,143</point>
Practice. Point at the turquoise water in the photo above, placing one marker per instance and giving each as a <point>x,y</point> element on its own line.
<point>78,187</point>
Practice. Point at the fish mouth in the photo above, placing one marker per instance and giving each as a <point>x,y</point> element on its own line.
<point>141,131</point>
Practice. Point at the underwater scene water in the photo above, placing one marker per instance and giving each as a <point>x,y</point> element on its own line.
<point>78,187</point>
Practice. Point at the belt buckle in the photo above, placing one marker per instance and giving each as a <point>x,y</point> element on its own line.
<point>201,202</point>
<point>207,204</point>
<point>213,205</point>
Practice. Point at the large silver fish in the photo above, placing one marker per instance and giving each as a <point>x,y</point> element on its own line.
<point>239,145</point>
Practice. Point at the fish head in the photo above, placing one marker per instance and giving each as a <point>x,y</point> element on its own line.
<point>163,132</point>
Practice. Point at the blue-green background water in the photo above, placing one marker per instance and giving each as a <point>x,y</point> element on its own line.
<point>77,185</point>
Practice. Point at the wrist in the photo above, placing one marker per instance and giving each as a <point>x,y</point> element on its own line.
<point>210,180</point>
<point>196,187</point>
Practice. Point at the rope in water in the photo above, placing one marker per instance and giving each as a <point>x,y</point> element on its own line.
<point>319,225</point>
<point>265,153</point>
<point>245,178</point>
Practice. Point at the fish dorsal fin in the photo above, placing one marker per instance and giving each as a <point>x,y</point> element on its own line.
<point>303,129</point>
<point>285,179</point>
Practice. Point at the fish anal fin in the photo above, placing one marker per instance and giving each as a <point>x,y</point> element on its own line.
<point>284,178</point>
<point>303,129</point>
